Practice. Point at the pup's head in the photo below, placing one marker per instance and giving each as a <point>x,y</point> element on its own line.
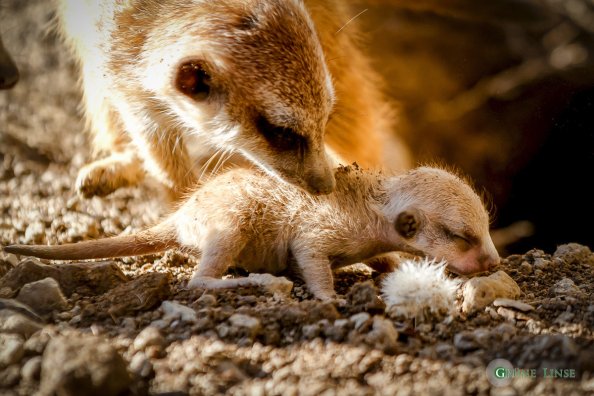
<point>9,74</point>
<point>440,215</point>
<point>250,75</point>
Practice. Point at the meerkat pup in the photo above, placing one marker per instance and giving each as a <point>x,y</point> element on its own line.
<point>169,85</point>
<point>246,219</point>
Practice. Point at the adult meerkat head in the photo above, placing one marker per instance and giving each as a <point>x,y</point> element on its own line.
<point>250,75</point>
<point>439,214</point>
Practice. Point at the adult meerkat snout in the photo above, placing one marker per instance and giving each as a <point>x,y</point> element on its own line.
<point>448,220</point>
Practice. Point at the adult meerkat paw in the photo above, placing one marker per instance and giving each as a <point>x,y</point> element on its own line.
<point>102,177</point>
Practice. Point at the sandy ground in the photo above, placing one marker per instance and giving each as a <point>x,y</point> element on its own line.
<point>241,341</point>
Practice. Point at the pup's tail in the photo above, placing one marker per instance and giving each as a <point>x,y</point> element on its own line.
<point>152,240</point>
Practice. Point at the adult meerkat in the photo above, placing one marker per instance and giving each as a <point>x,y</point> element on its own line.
<point>246,219</point>
<point>169,84</point>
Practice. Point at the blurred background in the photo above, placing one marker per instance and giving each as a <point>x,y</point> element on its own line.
<point>502,89</point>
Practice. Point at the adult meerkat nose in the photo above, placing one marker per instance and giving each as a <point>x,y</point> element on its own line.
<point>319,177</point>
<point>321,183</point>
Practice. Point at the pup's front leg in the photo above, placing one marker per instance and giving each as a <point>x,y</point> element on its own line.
<point>317,273</point>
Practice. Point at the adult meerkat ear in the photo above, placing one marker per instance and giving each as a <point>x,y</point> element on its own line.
<point>408,223</point>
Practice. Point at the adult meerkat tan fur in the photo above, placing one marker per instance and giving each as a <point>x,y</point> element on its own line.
<point>246,219</point>
<point>170,83</point>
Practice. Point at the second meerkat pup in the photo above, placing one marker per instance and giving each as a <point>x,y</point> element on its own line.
<point>246,219</point>
<point>170,84</point>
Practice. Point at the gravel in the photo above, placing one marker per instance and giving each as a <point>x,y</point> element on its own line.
<point>130,326</point>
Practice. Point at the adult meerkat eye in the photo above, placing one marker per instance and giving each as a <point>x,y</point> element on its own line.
<point>281,138</point>
<point>193,80</point>
<point>407,224</point>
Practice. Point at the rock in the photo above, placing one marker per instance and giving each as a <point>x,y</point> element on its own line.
<point>320,310</point>
<point>86,278</point>
<point>402,363</point>
<point>16,306</point>
<point>141,365</point>
<point>273,284</point>
<point>206,300</point>
<point>245,325</point>
<point>43,296</point>
<point>481,291</point>
<point>470,340</point>
<point>11,349</point>
<point>311,331</point>
<point>504,331</point>
<point>525,268</point>
<point>507,314</point>
<point>573,252</point>
<point>567,288</point>
<point>82,365</point>
<point>35,233</point>
<point>338,330</point>
<point>10,376</point>
<point>508,303</point>
<point>38,342</point>
<point>564,318</point>
<point>541,263</point>
<point>360,319</point>
<point>31,370</point>
<point>16,323</point>
<point>150,336</point>
<point>29,270</point>
<point>140,294</point>
<point>383,335</point>
<point>173,311</point>
<point>7,262</point>
<point>364,297</point>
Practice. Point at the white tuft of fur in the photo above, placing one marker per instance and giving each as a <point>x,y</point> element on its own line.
<point>417,287</point>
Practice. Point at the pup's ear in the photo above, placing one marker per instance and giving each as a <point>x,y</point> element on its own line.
<point>408,223</point>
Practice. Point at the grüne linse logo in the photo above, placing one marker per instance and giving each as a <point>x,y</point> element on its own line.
<point>501,372</point>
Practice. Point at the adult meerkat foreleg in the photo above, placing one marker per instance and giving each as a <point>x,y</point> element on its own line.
<point>120,166</point>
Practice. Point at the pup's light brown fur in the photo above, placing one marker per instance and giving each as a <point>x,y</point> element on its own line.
<point>169,85</point>
<point>244,218</point>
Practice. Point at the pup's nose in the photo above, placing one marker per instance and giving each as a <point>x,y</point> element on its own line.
<point>488,261</point>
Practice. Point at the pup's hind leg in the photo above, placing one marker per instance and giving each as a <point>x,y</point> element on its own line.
<point>217,258</point>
